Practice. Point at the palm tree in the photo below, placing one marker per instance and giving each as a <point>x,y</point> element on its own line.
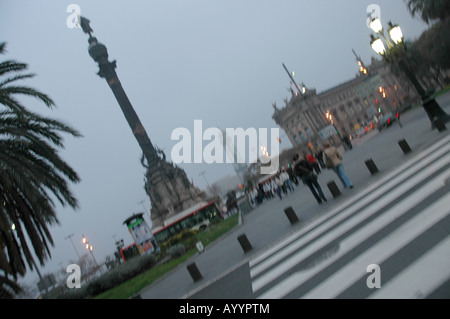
<point>32,177</point>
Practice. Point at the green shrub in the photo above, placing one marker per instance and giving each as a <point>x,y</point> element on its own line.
<point>113,278</point>
<point>183,236</point>
<point>176,251</point>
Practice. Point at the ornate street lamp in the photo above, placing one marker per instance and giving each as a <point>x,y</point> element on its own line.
<point>377,45</point>
<point>395,33</point>
<point>395,51</point>
<point>376,25</point>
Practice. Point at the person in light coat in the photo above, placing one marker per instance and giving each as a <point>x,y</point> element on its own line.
<point>333,160</point>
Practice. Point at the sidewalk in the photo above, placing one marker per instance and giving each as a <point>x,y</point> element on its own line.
<point>267,223</point>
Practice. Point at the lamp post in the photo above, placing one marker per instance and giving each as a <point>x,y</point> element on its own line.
<point>90,248</point>
<point>395,51</point>
<point>203,174</point>
<point>330,118</point>
<point>362,67</point>
<point>302,93</point>
<point>70,238</point>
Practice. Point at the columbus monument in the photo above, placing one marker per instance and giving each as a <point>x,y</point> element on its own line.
<point>166,184</point>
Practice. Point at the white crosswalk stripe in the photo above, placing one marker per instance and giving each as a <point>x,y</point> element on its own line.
<point>320,245</point>
<point>433,267</point>
<point>331,288</point>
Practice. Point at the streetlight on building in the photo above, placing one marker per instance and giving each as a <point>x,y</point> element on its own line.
<point>329,117</point>
<point>362,67</point>
<point>396,52</point>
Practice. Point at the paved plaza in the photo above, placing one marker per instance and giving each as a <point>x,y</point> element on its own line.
<point>266,226</point>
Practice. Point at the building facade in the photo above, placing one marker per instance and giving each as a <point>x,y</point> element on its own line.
<point>349,108</point>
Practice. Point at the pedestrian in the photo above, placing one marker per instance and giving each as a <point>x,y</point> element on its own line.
<point>333,160</point>
<point>286,180</point>
<point>305,171</point>
<point>268,189</point>
<point>291,174</point>
<point>398,120</point>
<point>313,161</point>
<point>276,186</point>
<point>348,142</point>
<point>319,156</point>
<point>253,196</point>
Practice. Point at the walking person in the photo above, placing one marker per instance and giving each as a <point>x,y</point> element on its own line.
<point>319,156</point>
<point>333,160</point>
<point>267,190</point>
<point>348,142</point>
<point>305,170</point>
<point>276,186</point>
<point>286,180</point>
<point>313,161</point>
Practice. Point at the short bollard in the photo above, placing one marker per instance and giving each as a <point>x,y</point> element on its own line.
<point>290,213</point>
<point>373,169</point>
<point>334,189</point>
<point>194,272</point>
<point>404,146</point>
<point>245,244</point>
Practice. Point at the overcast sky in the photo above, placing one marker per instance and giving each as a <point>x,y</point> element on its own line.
<point>178,61</point>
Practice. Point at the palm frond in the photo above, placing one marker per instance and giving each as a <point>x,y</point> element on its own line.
<point>32,176</point>
<point>11,66</point>
<point>9,90</point>
<point>16,78</point>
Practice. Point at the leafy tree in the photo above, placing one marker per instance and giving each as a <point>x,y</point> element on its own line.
<point>32,175</point>
<point>431,49</point>
<point>427,57</point>
<point>429,10</point>
<point>434,44</point>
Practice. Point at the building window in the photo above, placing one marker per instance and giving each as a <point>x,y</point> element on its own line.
<point>343,112</point>
<point>308,132</point>
<point>297,140</point>
<point>302,135</point>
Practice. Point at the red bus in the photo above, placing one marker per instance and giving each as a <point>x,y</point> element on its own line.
<point>197,217</point>
<point>129,252</point>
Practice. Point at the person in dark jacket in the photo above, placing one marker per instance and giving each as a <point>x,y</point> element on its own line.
<point>319,156</point>
<point>304,170</point>
<point>313,161</point>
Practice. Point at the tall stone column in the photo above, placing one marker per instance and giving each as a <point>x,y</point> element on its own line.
<point>167,185</point>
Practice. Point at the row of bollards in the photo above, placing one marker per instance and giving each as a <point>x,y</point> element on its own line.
<point>371,166</point>
<point>373,169</point>
<point>244,242</point>
<point>245,245</point>
<point>291,215</point>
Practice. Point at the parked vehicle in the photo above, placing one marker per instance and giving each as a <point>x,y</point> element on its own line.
<point>386,121</point>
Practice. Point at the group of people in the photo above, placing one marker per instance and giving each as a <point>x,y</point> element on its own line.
<point>305,169</point>
<point>308,169</point>
<point>278,185</point>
